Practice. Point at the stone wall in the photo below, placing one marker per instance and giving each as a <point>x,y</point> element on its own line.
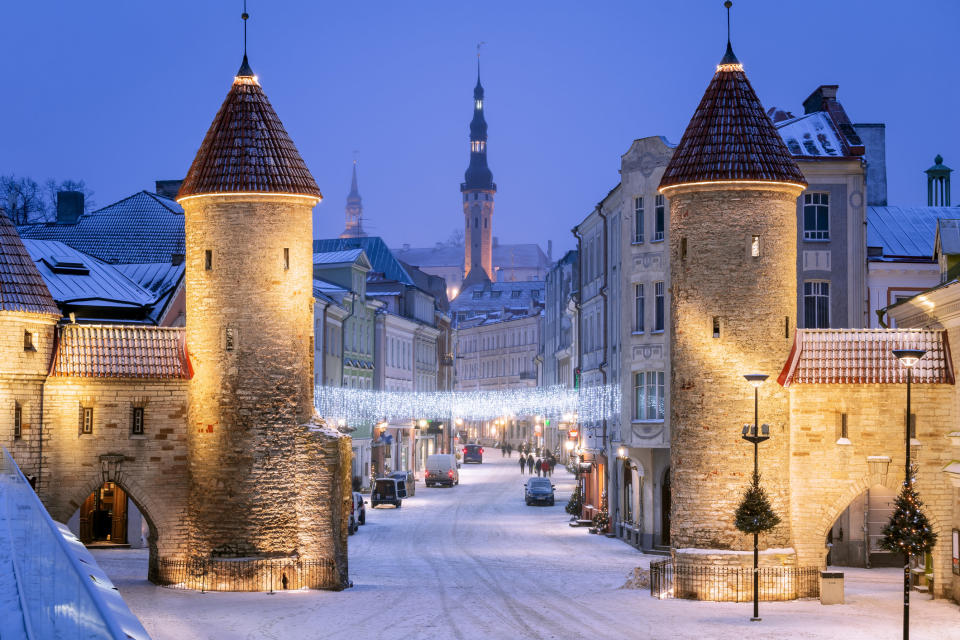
<point>827,476</point>
<point>713,275</point>
<point>22,373</point>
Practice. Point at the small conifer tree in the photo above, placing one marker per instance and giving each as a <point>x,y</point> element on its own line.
<point>908,531</point>
<point>575,504</point>
<point>602,520</point>
<point>755,515</point>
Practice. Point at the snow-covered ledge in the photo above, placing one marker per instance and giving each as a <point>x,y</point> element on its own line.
<point>953,471</point>
<point>954,438</point>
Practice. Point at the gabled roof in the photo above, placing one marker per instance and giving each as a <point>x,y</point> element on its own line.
<point>346,256</point>
<point>141,228</point>
<point>381,258</point>
<point>247,150</point>
<point>730,137</point>
<point>905,232</point>
<point>948,236</point>
<point>22,288</point>
<point>76,278</point>
<point>865,356</point>
<point>114,351</point>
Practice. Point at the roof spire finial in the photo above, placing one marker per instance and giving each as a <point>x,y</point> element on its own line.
<point>479,44</point>
<point>728,57</point>
<point>245,70</point>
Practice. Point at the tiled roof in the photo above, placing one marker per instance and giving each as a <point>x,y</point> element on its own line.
<point>730,137</point>
<point>141,228</point>
<point>905,232</point>
<point>812,136</point>
<point>21,286</point>
<point>115,351</point>
<point>498,296</point>
<point>865,356</point>
<point>381,258</point>
<point>247,150</point>
<point>337,257</point>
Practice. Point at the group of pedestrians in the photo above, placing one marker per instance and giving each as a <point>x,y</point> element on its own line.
<point>543,466</point>
<point>506,450</point>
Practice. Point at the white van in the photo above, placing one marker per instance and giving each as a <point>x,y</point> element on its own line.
<point>442,470</point>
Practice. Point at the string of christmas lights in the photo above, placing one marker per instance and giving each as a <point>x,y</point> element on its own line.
<point>364,406</point>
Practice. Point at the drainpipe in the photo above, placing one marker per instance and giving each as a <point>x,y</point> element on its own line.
<point>343,335</point>
<point>323,341</point>
<point>603,363</point>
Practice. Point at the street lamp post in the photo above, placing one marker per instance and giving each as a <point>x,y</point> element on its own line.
<point>756,434</point>
<point>908,358</point>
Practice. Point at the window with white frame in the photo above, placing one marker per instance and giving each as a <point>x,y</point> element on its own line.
<point>659,306</point>
<point>816,216</point>
<point>638,219</point>
<point>638,308</point>
<point>648,401</point>
<point>816,304</point>
<point>660,213</point>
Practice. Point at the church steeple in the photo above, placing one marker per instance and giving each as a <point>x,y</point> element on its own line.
<point>354,211</point>
<point>478,190</point>
<point>478,174</point>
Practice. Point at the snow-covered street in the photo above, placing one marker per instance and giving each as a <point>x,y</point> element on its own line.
<point>475,562</point>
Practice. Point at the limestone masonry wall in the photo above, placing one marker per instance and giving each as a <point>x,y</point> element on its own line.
<point>715,276</point>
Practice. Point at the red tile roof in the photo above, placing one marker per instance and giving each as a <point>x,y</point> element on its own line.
<point>247,150</point>
<point>865,356</point>
<point>730,137</point>
<point>117,351</point>
<point>21,286</point>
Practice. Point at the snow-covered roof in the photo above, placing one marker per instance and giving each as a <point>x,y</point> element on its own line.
<point>812,135</point>
<point>865,356</point>
<point>905,232</point>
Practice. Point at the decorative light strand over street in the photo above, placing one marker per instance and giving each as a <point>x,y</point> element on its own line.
<point>358,406</point>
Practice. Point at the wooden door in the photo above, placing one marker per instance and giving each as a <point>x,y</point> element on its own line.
<point>86,518</point>
<point>118,516</point>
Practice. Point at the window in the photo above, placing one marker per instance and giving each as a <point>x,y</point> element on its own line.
<point>28,341</point>
<point>208,260</point>
<point>816,305</point>
<point>658,319</point>
<point>638,308</point>
<point>638,219</point>
<point>659,212</point>
<point>648,395</point>
<point>286,259</point>
<point>683,248</point>
<point>136,422</point>
<point>229,342</point>
<point>754,246</point>
<point>477,295</point>
<point>816,216</point>
<point>86,419</point>
<point>515,293</point>
<point>716,326</point>
<point>17,421</point>
<point>496,294</point>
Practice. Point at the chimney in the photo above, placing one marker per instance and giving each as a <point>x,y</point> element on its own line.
<point>177,259</point>
<point>69,206</point>
<point>820,98</point>
<point>167,188</point>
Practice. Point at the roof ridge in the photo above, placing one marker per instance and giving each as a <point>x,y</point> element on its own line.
<point>160,199</point>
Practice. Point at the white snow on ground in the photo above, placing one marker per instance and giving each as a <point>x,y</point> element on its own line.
<point>475,562</point>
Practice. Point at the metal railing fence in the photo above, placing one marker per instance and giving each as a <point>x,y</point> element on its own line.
<point>247,574</point>
<point>719,583</point>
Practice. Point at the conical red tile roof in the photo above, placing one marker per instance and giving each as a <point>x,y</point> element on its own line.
<point>730,137</point>
<point>247,150</point>
<point>21,286</point>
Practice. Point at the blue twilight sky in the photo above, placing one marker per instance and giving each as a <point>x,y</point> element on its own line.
<point>120,93</point>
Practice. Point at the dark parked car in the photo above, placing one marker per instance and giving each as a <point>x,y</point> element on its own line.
<point>401,477</point>
<point>472,453</point>
<point>385,491</point>
<point>538,490</point>
<point>359,508</point>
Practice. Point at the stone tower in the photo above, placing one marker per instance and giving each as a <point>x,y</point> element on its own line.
<point>265,482</point>
<point>732,186</point>
<point>354,211</point>
<point>28,319</point>
<point>478,190</point>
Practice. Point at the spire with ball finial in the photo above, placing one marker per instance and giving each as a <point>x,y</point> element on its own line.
<point>246,71</point>
<point>728,57</point>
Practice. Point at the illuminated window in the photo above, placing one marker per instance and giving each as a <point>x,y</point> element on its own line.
<point>754,246</point>
<point>716,326</point>
<point>648,396</point>
<point>638,220</point>
<point>136,421</point>
<point>17,421</point>
<point>816,216</point>
<point>86,420</point>
<point>659,212</point>
<point>286,259</point>
<point>816,305</point>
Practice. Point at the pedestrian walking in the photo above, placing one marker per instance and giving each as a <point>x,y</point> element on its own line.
<point>530,464</point>
<point>546,467</point>
<point>523,464</point>
<point>509,450</point>
<point>553,463</point>
<point>539,465</point>
<point>503,451</point>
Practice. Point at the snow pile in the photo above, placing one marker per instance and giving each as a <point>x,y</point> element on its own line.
<point>639,578</point>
